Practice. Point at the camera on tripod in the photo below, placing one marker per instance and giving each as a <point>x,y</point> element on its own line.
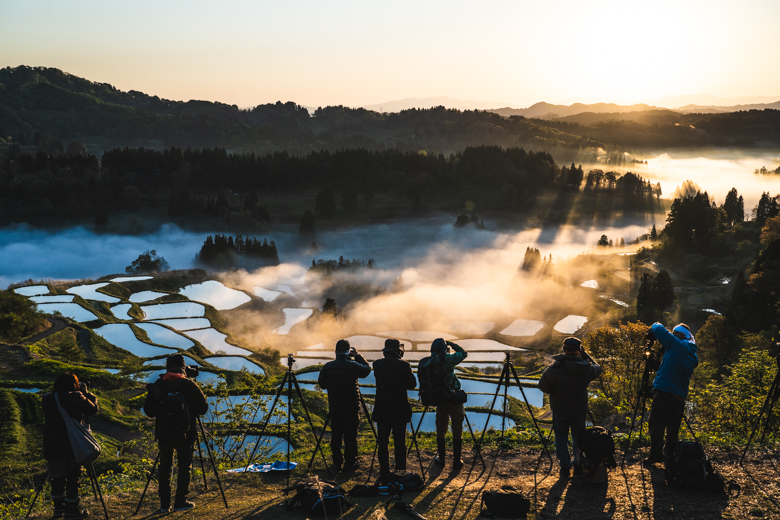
<point>192,371</point>
<point>652,359</point>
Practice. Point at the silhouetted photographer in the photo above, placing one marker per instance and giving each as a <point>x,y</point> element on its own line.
<point>392,411</point>
<point>671,389</point>
<point>339,377</point>
<point>175,401</point>
<point>71,398</point>
<point>567,380</point>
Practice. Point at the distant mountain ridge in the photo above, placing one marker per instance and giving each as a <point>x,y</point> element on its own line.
<point>429,102</point>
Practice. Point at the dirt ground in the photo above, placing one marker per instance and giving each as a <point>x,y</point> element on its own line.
<point>632,492</point>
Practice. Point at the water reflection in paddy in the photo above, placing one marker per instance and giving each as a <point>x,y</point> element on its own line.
<point>32,290</point>
<point>235,363</point>
<point>89,292</point>
<point>292,317</point>
<point>570,324</point>
<point>59,298</point>
<point>215,342</point>
<point>523,328</point>
<point>69,310</point>
<point>166,337</point>
<point>121,335</point>
<point>146,296</point>
<point>120,311</point>
<point>186,323</point>
<point>173,310</point>
<point>215,294</point>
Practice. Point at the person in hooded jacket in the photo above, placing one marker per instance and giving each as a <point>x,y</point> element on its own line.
<point>339,378</point>
<point>62,471</point>
<point>391,405</point>
<point>175,380</point>
<point>567,380</point>
<point>671,389</point>
<point>449,411</point>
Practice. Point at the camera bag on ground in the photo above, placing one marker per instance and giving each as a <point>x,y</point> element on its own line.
<point>432,374</point>
<point>173,417</point>
<point>694,469</point>
<point>393,484</point>
<point>318,498</point>
<point>598,453</point>
<point>506,502</point>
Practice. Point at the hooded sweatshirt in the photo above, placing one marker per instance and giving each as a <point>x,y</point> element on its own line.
<point>439,348</point>
<point>680,358</point>
<point>567,380</point>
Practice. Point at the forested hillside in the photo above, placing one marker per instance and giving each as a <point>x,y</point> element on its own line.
<point>47,109</point>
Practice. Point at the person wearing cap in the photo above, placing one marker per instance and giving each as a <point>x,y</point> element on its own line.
<point>450,410</point>
<point>391,406</point>
<point>671,389</point>
<point>567,380</point>
<point>175,381</point>
<point>339,377</point>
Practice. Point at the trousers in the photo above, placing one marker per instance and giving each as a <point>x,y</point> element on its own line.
<point>383,445</point>
<point>446,412</point>
<point>67,486</point>
<point>184,458</point>
<point>666,415</point>
<point>344,427</point>
<point>561,428</point>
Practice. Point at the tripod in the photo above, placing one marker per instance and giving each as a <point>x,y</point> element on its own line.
<point>645,391</point>
<point>93,480</point>
<point>202,465</point>
<point>291,381</point>
<point>504,380</point>
<point>772,397</point>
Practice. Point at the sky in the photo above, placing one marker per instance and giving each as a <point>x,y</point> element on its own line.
<point>318,53</point>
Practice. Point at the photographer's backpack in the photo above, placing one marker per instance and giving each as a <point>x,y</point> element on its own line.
<point>506,502</point>
<point>598,453</point>
<point>693,468</point>
<point>318,498</point>
<point>432,374</point>
<point>173,417</point>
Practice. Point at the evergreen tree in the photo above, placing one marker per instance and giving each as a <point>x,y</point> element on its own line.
<point>532,260</point>
<point>397,285</point>
<point>653,234</point>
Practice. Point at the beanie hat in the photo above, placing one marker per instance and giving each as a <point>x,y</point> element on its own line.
<point>175,361</point>
<point>682,329</point>
<point>439,346</point>
<point>392,345</point>
<point>571,345</point>
<point>342,346</point>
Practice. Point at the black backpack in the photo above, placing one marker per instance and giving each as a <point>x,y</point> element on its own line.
<point>172,424</point>
<point>432,374</point>
<point>598,446</point>
<point>506,502</point>
<point>318,498</point>
<point>691,466</point>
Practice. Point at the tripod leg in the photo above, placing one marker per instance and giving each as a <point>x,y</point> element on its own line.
<point>151,475</point>
<point>504,374</point>
<point>371,468</point>
<point>202,465</point>
<point>530,412</point>
<point>757,423</point>
<point>631,428</point>
<point>419,457</point>
<point>267,420</point>
<point>96,485</point>
<point>319,442</point>
<point>213,464</point>
<point>37,492</point>
<point>477,446</point>
<point>414,433</point>
<point>294,380</point>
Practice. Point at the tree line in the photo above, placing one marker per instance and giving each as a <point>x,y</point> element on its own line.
<point>225,251</point>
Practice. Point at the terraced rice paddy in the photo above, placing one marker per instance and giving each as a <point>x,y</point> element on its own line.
<point>215,342</point>
<point>121,335</point>
<point>173,310</point>
<point>292,317</point>
<point>570,324</point>
<point>146,296</point>
<point>90,292</point>
<point>471,327</point>
<point>166,337</point>
<point>522,328</point>
<point>215,294</point>
<point>120,311</point>
<point>485,344</point>
<point>186,323</point>
<point>266,294</point>
<point>416,335</point>
<point>73,311</point>
<point>59,298</point>
<point>121,279</point>
<point>32,290</point>
<point>161,362</point>
<point>235,363</point>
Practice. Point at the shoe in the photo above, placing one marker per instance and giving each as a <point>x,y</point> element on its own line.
<point>164,510</point>
<point>653,459</point>
<point>457,447</point>
<point>184,505</point>
<point>565,473</point>
<point>73,511</point>
<point>59,506</point>
<point>441,446</point>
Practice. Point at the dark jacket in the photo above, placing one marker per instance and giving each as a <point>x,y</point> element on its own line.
<point>567,380</point>
<point>55,433</point>
<point>170,382</point>
<point>680,358</point>
<point>339,377</point>
<point>393,378</point>
<point>450,361</point>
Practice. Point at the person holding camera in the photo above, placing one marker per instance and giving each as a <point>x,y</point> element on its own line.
<point>339,377</point>
<point>76,400</point>
<point>671,389</point>
<point>567,380</point>
<point>451,355</point>
<point>391,405</point>
<point>175,401</point>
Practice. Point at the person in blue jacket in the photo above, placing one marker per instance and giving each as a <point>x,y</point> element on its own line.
<point>671,390</point>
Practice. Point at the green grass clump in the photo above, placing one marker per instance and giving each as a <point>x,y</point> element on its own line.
<point>11,431</point>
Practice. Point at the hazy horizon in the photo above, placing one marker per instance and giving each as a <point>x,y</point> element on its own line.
<point>349,53</point>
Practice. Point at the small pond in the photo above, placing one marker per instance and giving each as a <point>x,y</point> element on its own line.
<point>215,294</point>
<point>186,323</point>
<point>235,363</point>
<point>173,310</point>
<point>32,290</point>
<point>146,296</point>
<point>121,335</point>
<point>291,317</point>
<point>69,310</point>
<point>215,342</point>
<point>89,292</point>
<point>523,328</point>
<point>570,324</point>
